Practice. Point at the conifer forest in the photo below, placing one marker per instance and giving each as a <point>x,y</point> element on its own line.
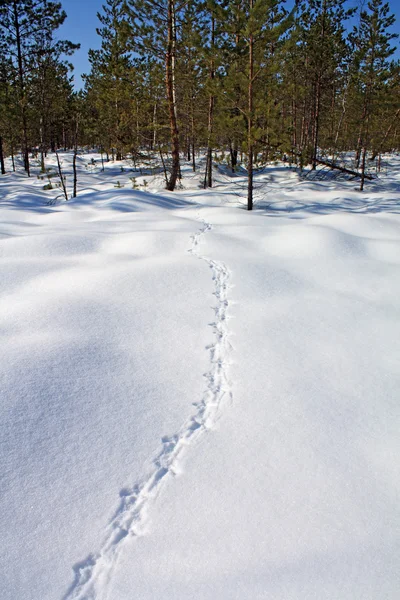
<point>246,82</point>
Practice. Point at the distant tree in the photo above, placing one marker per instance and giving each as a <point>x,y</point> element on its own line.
<point>49,76</point>
<point>156,32</point>
<point>372,41</point>
<point>111,82</point>
<point>26,39</point>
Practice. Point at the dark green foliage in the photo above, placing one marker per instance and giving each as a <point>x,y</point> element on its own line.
<point>243,79</point>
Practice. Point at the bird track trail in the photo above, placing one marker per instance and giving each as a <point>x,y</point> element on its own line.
<point>93,575</point>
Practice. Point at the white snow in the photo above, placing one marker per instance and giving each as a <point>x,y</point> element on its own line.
<point>198,401</point>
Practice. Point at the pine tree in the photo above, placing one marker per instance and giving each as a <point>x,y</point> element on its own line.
<point>111,80</point>
<point>26,39</point>
<point>156,30</point>
<point>373,50</point>
<point>324,55</point>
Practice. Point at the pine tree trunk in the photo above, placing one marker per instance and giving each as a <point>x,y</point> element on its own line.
<point>74,193</point>
<point>3,170</point>
<point>364,153</point>
<point>42,165</point>
<point>170,79</point>
<point>61,177</point>
<point>318,97</point>
<point>234,156</point>
<point>193,156</point>
<point>154,141</point>
<point>192,131</point>
<point>22,98</point>
<point>294,124</point>
<point>163,164</point>
<point>208,175</point>
<point>250,123</point>
<point>316,124</point>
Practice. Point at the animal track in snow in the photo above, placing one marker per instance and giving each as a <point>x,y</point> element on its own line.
<point>92,576</point>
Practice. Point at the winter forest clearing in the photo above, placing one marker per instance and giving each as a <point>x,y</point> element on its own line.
<point>200,324</point>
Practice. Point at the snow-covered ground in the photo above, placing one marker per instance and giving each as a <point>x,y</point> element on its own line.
<point>198,402</point>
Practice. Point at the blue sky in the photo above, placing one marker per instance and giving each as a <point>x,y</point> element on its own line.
<point>80,26</point>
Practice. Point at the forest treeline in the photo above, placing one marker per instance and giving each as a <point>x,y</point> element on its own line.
<point>249,79</point>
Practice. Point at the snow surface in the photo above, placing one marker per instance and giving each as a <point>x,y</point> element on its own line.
<point>197,401</point>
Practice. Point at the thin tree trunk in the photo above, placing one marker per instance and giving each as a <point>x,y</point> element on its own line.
<point>208,174</point>
<point>364,153</point>
<point>365,143</point>
<point>42,165</point>
<point>137,126</point>
<point>74,193</point>
<point>21,89</point>
<point>61,177</point>
<point>294,123</point>
<point>234,155</point>
<point>154,126</point>
<point>318,96</point>
<point>163,164</point>
<point>250,122</point>
<point>170,85</point>
<point>332,165</point>
<point>3,170</point>
<point>193,156</point>
<point>192,132</point>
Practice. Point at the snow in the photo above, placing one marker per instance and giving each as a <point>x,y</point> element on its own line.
<point>197,401</point>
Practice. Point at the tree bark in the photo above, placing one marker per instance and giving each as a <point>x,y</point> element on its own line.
<point>21,88</point>
<point>74,193</point>
<point>234,155</point>
<point>250,148</point>
<point>42,165</point>
<point>61,177</point>
<point>318,97</point>
<point>343,169</point>
<point>3,170</point>
<point>154,141</point>
<point>208,174</point>
<point>364,153</point>
<point>170,80</point>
